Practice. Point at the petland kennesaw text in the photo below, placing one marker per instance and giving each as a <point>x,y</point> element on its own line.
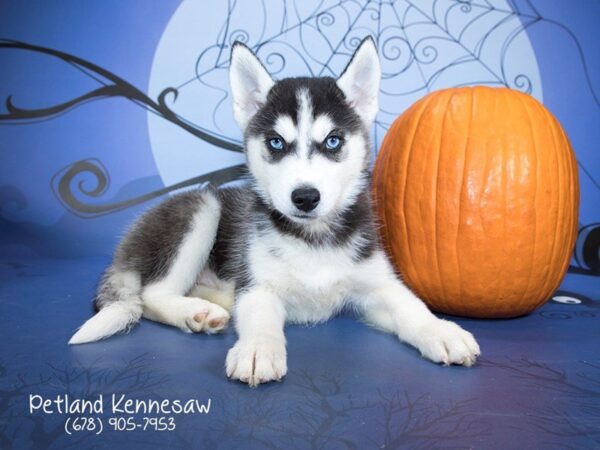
<point>119,404</point>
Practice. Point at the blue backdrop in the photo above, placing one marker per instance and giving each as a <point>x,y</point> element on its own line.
<point>108,106</point>
<point>140,93</point>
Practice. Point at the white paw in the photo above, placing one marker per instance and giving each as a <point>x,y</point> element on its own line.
<point>257,360</point>
<point>205,317</point>
<point>445,342</point>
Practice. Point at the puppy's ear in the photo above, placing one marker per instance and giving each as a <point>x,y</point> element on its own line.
<point>250,83</point>
<point>360,81</point>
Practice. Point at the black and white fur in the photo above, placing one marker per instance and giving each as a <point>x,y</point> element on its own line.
<point>255,252</point>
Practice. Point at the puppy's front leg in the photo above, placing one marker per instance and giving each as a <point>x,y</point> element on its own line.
<point>259,355</point>
<point>389,305</point>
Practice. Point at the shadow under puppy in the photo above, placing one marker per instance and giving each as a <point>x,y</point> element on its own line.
<point>296,244</point>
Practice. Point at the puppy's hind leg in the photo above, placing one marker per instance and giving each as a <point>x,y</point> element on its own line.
<point>192,315</point>
<point>164,300</point>
<point>215,290</point>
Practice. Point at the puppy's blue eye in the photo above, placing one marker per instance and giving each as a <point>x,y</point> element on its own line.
<point>332,142</point>
<point>276,144</point>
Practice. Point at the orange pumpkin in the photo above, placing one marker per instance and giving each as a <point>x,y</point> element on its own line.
<point>477,192</point>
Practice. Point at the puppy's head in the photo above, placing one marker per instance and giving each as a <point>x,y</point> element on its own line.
<point>306,139</point>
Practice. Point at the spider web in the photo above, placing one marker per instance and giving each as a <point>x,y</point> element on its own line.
<point>424,45</point>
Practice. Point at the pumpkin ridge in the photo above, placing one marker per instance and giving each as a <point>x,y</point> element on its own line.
<point>426,102</point>
<point>566,248</point>
<point>498,299</point>
<point>492,102</point>
<point>388,176</point>
<point>382,193</point>
<point>531,259</point>
<point>548,282</point>
<point>572,187</point>
<point>436,240</point>
<point>460,196</point>
<point>506,292</point>
<point>573,191</point>
<point>387,169</point>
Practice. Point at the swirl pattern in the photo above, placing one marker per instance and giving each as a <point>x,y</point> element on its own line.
<point>423,46</point>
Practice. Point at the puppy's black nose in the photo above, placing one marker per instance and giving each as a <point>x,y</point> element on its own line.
<point>306,198</point>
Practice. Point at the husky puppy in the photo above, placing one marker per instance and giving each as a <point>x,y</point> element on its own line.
<point>297,244</point>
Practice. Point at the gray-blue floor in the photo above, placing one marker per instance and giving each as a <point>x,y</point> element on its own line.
<point>537,384</point>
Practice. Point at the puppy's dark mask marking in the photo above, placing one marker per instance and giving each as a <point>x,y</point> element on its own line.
<point>325,97</point>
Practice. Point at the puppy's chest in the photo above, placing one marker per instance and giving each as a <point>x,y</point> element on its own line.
<point>313,282</point>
